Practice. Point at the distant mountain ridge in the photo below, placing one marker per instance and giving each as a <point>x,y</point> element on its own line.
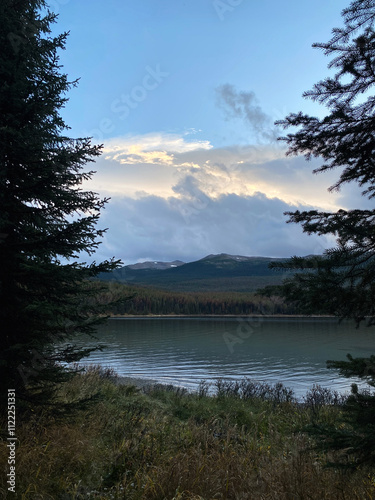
<point>221,272</point>
<point>156,265</point>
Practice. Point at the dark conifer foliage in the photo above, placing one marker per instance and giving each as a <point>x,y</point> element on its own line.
<point>342,281</point>
<point>46,217</point>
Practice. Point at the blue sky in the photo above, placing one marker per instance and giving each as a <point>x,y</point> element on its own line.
<point>184,94</point>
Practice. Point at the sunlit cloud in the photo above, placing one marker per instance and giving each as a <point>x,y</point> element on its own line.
<point>150,145</point>
<point>134,155</point>
<point>176,198</point>
<point>158,164</point>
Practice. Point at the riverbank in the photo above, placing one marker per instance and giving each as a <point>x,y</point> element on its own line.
<point>140,383</point>
<point>163,443</point>
<point>213,316</point>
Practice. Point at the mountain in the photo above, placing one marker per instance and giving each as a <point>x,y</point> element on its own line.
<point>223,272</point>
<point>156,265</point>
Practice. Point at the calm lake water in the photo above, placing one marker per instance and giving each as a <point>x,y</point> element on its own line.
<point>184,351</point>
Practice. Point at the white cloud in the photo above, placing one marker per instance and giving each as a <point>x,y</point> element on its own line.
<point>157,163</point>
<point>176,198</point>
<point>150,146</point>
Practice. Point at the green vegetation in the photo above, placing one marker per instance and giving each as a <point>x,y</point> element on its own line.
<point>142,301</point>
<point>46,219</point>
<point>246,441</point>
<point>342,281</point>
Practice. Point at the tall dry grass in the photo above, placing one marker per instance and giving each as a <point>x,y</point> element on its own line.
<point>169,444</point>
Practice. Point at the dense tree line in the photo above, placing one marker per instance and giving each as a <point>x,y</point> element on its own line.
<point>142,301</point>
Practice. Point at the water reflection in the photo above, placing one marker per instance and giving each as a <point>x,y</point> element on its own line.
<point>184,351</point>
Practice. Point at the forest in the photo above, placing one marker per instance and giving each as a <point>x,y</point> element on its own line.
<point>136,300</point>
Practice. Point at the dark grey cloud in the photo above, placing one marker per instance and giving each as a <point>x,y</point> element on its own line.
<point>239,104</point>
<point>192,225</point>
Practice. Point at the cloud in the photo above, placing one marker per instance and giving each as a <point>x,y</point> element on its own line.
<point>157,164</point>
<point>150,163</point>
<point>193,225</point>
<point>244,106</point>
<point>174,197</point>
<point>151,148</point>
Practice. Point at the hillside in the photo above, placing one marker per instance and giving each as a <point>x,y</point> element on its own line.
<point>223,272</point>
<point>156,265</point>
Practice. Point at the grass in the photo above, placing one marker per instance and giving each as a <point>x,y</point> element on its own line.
<point>245,441</point>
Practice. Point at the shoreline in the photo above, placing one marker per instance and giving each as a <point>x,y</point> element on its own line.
<point>220,316</point>
<point>193,316</point>
<point>137,382</point>
<point>141,383</point>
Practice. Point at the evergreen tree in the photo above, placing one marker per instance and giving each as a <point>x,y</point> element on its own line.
<point>342,281</point>
<point>46,218</point>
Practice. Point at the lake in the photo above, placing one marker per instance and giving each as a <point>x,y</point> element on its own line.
<point>184,351</point>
